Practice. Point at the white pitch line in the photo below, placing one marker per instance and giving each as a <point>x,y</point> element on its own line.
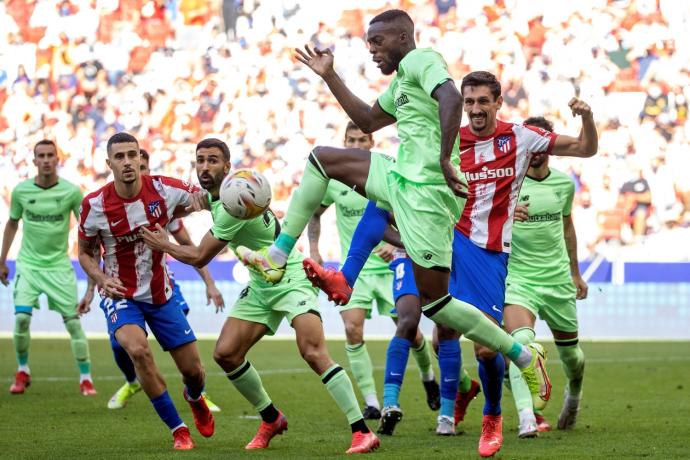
<point>410,368</point>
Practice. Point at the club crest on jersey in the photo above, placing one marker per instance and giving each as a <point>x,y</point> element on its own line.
<point>155,208</point>
<point>503,143</point>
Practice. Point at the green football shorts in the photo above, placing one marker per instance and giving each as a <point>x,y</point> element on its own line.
<point>59,285</point>
<point>266,303</point>
<point>370,289</point>
<point>553,304</point>
<point>425,214</point>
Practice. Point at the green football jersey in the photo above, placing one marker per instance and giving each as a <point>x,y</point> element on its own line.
<point>46,216</point>
<point>255,234</point>
<point>408,99</point>
<point>539,253</point>
<point>349,207</point>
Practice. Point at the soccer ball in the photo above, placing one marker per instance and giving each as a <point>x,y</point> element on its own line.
<point>245,194</point>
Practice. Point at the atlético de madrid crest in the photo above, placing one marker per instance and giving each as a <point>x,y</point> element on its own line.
<point>155,208</point>
<point>503,143</point>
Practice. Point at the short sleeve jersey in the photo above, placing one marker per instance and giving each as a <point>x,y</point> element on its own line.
<point>254,234</point>
<point>46,216</point>
<point>349,207</point>
<point>409,100</point>
<point>539,253</point>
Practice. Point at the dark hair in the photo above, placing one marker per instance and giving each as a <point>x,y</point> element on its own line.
<point>352,125</point>
<point>45,142</point>
<point>121,138</point>
<point>540,122</point>
<point>144,154</point>
<point>482,78</point>
<point>217,143</point>
<point>392,15</point>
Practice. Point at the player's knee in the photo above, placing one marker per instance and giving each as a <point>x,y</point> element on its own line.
<point>194,372</point>
<point>313,354</point>
<point>22,321</point>
<point>228,359</point>
<point>353,333</point>
<point>140,353</point>
<point>407,328</point>
<point>446,333</point>
<point>484,353</point>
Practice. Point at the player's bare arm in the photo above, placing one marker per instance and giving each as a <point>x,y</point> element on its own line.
<point>197,256</point>
<point>89,261</point>
<point>587,143</point>
<point>571,246</point>
<point>84,305</point>
<point>314,234</point>
<point>8,237</point>
<point>369,118</point>
<point>450,115</point>
<point>212,293</point>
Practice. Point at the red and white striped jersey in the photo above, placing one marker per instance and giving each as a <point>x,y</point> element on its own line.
<point>494,167</point>
<point>116,221</point>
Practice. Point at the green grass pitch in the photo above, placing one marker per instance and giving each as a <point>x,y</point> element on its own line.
<point>636,405</point>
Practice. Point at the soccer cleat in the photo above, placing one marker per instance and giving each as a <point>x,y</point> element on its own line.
<point>332,282</point>
<point>568,416</point>
<point>462,400</point>
<point>536,377</point>
<point>390,416</point>
<point>21,381</point>
<point>528,427</point>
<point>445,426</point>
<point>363,443</point>
<point>433,394</point>
<point>267,431</point>
<point>371,413</point>
<point>542,424</point>
<point>123,395</point>
<point>86,388</point>
<point>203,418</point>
<point>182,439</point>
<point>261,262</point>
<point>491,439</point>
<point>211,405</point>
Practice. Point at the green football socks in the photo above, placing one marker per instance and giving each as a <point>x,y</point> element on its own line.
<point>22,337</point>
<point>248,383</point>
<point>362,370</point>
<point>339,386</point>
<point>518,386</point>
<point>573,360</point>
<point>422,356</point>
<point>79,344</point>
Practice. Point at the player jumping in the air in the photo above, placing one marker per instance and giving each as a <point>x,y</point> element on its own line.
<point>134,284</point>
<point>420,188</point>
<point>122,359</point>
<point>262,306</point>
<point>373,286</point>
<point>544,279</point>
<point>45,203</point>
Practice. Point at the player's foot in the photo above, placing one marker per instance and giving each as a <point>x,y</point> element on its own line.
<point>568,416</point>
<point>261,262</point>
<point>123,395</point>
<point>433,394</point>
<point>21,381</point>
<point>331,282</point>
<point>390,416</point>
<point>491,439</point>
<point>462,400</point>
<point>182,439</point>
<point>203,418</point>
<point>211,405</point>
<point>445,426</point>
<point>267,431</point>
<point>536,377</point>
<point>528,427</point>
<point>371,413</point>
<point>86,388</point>
<point>363,443</point>
<point>542,424</point>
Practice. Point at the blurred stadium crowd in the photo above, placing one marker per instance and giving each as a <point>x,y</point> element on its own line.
<point>175,71</point>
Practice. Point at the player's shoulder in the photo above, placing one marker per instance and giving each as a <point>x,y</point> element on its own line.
<point>560,177</point>
<point>420,56</point>
<point>24,185</point>
<point>162,182</point>
<point>64,183</point>
<point>98,194</point>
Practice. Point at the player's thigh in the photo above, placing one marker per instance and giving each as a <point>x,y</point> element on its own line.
<point>26,291</point>
<point>237,337</point>
<point>311,341</point>
<point>559,308</point>
<point>515,317</point>
<point>168,324</point>
<point>349,166</point>
<point>60,287</point>
<point>132,338</point>
<point>122,312</point>
<point>409,314</point>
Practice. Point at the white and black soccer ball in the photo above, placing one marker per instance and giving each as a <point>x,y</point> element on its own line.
<point>245,194</point>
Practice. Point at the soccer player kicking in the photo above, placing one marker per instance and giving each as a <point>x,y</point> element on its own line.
<point>45,203</point>
<point>131,386</point>
<point>373,286</point>
<point>544,279</point>
<point>420,188</point>
<point>134,284</point>
<point>262,306</point>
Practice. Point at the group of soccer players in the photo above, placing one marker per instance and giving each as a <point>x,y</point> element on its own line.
<point>453,236</point>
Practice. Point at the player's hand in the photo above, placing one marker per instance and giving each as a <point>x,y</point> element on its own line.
<point>521,212</point>
<point>4,274</point>
<point>84,305</point>
<point>580,107</point>
<point>320,61</point>
<point>581,286</point>
<point>386,252</point>
<point>112,287</point>
<point>214,295</point>
<point>452,179</point>
<point>157,240</point>
<point>198,201</point>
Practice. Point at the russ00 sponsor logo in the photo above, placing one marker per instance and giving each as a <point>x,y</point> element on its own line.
<point>486,173</point>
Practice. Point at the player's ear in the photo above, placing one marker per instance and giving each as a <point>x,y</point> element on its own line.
<point>107,161</point>
<point>499,101</point>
